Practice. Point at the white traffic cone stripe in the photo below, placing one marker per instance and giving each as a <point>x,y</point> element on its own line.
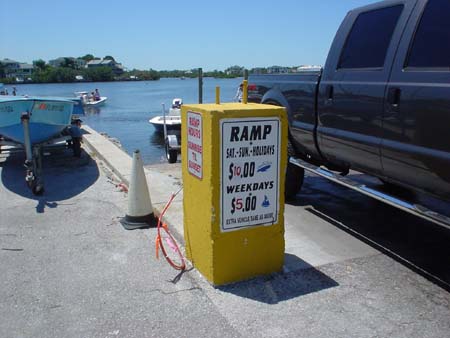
<point>139,202</point>
<point>140,210</point>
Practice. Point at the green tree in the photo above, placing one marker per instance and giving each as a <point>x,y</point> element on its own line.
<point>109,57</point>
<point>235,70</point>
<point>40,65</point>
<point>61,75</point>
<point>69,63</point>
<point>98,74</point>
<point>87,57</point>
<point>54,75</point>
<point>2,70</point>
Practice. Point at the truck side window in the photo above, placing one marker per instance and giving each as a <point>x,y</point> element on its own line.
<point>368,41</point>
<point>431,46</point>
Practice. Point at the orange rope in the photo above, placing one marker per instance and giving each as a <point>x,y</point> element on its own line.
<point>123,187</point>
<point>171,242</point>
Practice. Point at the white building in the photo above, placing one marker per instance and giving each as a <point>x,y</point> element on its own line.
<point>308,68</point>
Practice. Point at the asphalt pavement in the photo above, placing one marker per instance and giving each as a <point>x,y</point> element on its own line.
<point>353,267</point>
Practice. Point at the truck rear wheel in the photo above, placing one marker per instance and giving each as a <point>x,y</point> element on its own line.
<point>294,176</point>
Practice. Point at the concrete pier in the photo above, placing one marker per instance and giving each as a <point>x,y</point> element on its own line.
<point>353,267</point>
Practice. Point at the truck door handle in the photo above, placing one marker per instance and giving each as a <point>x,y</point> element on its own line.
<point>394,96</point>
<point>329,92</point>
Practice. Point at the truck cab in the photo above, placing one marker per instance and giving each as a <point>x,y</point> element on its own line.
<point>381,104</point>
<point>384,96</point>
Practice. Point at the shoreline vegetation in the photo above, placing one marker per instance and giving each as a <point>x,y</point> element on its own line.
<point>104,74</point>
<point>70,71</point>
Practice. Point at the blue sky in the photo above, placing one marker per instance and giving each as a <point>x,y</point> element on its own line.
<point>173,34</point>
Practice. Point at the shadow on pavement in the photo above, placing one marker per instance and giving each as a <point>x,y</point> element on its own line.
<point>279,287</point>
<point>420,245</point>
<point>65,176</point>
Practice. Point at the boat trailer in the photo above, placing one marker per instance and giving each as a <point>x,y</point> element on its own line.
<point>33,153</point>
<point>172,140</point>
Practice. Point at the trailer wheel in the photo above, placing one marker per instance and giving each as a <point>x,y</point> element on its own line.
<point>37,189</point>
<point>171,154</point>
<point>294,176</point>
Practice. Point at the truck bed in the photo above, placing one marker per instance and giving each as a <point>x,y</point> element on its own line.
<point>296,92</point>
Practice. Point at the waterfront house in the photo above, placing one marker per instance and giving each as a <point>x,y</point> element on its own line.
<point>19,71</point>
<point>58,62</point>
<point>116,67</point>
<point>258,70</point>
<point>277,70</point>
<point>234,70</point>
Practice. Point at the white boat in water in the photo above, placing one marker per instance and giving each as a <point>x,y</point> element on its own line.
<point>172,119</point>
<point>89,100</point>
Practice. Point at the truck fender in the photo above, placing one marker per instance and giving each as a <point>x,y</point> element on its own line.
<point>294,174</point>
<point>275,97</point>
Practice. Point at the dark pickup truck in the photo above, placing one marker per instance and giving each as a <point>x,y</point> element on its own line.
<point>380,105</point>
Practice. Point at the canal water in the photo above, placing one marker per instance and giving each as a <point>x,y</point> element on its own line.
<point>131,104</point>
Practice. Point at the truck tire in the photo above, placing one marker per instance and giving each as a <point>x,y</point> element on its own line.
<point>294,176</point>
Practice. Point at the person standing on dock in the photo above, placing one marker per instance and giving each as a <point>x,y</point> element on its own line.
<point>77,136</point>
<point>238,96</point>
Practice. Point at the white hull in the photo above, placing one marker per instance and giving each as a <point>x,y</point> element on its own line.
<point>172,122</point>
<point>173,119</point>
<point>95,103</point>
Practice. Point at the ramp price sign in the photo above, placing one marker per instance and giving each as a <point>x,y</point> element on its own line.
<point>250,160</point>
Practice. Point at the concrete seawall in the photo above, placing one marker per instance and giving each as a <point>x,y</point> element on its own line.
<point>161,185</point>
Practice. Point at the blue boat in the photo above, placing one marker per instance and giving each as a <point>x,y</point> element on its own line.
<point>47,117</point>
<point>33,122</point>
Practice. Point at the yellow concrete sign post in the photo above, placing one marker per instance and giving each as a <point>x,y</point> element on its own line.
<point>234,157</point>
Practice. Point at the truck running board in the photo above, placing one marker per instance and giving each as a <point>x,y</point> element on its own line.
<point>415,209</point>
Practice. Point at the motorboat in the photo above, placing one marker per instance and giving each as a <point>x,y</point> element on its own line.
<point>47,117</point>
<point>172,123</point>
<point>172,119</point>
<point>89,100</point>
<point>32,123</point>
<point>96,103</point>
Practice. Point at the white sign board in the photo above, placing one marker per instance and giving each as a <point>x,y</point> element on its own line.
<point>250,162</point>
<point>195,144</point>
